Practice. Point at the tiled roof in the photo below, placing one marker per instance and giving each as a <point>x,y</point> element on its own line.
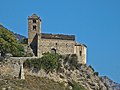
<point>58,36</point>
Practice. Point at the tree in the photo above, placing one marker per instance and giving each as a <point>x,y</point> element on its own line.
<point>8,43</point>
<point>50,61</point>
<point>24,41</point>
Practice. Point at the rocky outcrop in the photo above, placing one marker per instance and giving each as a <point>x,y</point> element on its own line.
<point>13,66</point>
<point>20,37</point>
<point>70,71</point>
<point>111,84</point>
<point>10,67</point>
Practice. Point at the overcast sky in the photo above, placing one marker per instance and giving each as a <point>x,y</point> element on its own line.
<point>95,23</point>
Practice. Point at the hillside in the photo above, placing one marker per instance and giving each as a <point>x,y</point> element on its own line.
<point>30,83</point>
<point>51,72</point>
<point>69,72</point>
<point>18,36</point>
<point>111,84</point>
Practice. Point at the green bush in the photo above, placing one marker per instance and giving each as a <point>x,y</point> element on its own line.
<point>76,86</point>
<point>73,60</point>
<point>33,63</point>
<point>48,62</point>
<point>19,52</point>
<point>28,54</point>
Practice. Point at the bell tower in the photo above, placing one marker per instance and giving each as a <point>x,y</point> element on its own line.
<point>34,28</point>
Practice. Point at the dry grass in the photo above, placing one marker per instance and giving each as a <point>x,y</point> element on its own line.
<point>31,83</point>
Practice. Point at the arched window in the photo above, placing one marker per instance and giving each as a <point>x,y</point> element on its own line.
<point>53,50</point>
<point>34,27</point>
<point>34,21</point>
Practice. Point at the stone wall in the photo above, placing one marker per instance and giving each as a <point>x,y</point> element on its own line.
<point>31,32</point>
<point>10,67</point>
<point>61,46</point>
<point>80,51</point>
<point>13,66</point>
<point>83,74</point>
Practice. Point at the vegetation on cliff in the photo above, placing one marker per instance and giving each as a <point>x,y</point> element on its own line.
<point>48,62</point>
<point>33,83</point>
<point>65,69</point>
<point>30,83</point>
<point>9,43</point>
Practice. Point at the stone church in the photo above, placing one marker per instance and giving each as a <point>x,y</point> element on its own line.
<point>55,43</point>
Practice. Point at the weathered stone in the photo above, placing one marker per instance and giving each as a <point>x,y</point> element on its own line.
<point>81,75</point>
<point>3,88</point>
<point>61,75</point>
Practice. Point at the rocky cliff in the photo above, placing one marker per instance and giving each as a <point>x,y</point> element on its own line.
<point>111,84</point>
<point>70,73</point>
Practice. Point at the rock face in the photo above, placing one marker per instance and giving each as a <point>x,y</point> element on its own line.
<point>10,67</point>
<point>111,85</point>
<point>19,37</point>
<point>71,71</point>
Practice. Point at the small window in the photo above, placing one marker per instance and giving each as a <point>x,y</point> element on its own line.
<point>80,53</point>
<point>34,21</point>
<point>56,44</point>
<point>34,27</point>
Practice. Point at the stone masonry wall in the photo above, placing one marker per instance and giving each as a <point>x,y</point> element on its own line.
<point>80,51</point>
<point>61,46</point>
<point>13,66</point>
<point>31,32</point>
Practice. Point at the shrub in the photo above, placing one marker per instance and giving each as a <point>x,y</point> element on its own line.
<point>33,63</point>
<point>48,62</point>
<point>96,73</point>
<point>71,60</point>
<point>29,54</point>
<point>24,41</point>
<point>19,52</point>
<point>91,68</point>
<point>76,86</point>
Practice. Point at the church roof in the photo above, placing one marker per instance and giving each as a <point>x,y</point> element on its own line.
<point>79,44</point>
<point>34,16</point>
<point>58,36</point>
